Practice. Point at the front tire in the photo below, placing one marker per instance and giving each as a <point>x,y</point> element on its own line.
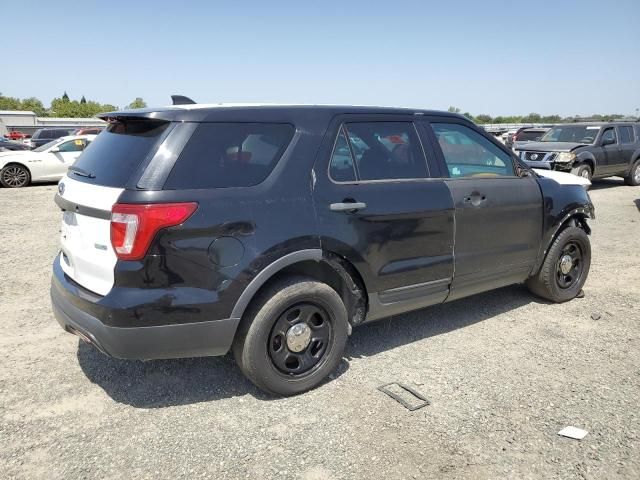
<point>293,336</point>
<point>633,179</point>
<point>14,176</point>
<point>566,267</point>
<point>583,171</point>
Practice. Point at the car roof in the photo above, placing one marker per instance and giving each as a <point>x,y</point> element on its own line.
<point>210,112</point>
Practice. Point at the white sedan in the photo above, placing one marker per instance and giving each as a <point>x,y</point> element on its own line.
<point>48,163</point>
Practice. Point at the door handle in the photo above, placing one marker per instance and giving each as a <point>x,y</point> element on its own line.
<point>347,206</point>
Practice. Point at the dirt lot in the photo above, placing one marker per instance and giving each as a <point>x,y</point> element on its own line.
<point>504,372</point>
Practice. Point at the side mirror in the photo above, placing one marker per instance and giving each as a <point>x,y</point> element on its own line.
<point>608,141</point>
<point>54,150</point>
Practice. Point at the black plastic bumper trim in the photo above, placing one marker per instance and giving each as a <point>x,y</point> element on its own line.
<point>199,339</point>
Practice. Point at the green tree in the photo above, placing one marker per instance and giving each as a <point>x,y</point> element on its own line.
<point>454,110</point>
<point>9,103</point>
<point>83,100</point>
<point>33,104</point>
<point>65,97</point>
<point>137,103</point>
<point>532,118</point>
<point>484,118</point>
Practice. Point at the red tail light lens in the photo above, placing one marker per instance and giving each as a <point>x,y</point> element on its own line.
<point>134,226</point>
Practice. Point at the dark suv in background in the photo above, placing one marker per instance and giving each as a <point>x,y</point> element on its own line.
<point>591,150</point>
<point>274,230</point>
<point>524,135</point>
<point>46,135</point>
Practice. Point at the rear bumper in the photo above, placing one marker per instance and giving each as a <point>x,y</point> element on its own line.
<point>197,339</point>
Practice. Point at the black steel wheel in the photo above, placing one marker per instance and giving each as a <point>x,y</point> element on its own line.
<point>299,339</point>
<point>292,337</point>
<point>14,176</point>
<point>569,265</point>
<point>565,268</point>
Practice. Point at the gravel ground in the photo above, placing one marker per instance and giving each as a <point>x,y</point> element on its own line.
<point>504,373</point>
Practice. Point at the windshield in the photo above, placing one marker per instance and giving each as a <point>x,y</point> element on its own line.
<point>572,133</point>
<point>44,147</point>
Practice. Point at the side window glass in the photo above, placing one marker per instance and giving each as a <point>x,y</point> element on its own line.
<point>222,155</point>
<point>72,146</point>
<point>341,167</point>
<point>609,134</point>
<point>626,134</point>
<point>469,154</point>
<point>386,150</point>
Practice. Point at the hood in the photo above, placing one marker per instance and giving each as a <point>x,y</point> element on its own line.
<point>563,178</point>
<point>549,146</point>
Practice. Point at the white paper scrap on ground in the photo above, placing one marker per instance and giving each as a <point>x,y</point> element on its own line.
<point>573,432</point>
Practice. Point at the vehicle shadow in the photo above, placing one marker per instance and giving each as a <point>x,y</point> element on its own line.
<point>637,202</point>
<point>165,383</point>
<point>602,183</point>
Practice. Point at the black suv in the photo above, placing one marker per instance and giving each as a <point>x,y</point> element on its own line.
<point>46,135</point>
<point>591,150</point>
<point>272,231</point>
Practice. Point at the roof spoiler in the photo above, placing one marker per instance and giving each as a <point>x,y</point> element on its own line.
<point>181,100</point>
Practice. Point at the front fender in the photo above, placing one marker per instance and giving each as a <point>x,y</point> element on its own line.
<point>561,204</point>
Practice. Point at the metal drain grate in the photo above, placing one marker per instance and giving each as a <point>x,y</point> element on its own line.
<point>404,395</point>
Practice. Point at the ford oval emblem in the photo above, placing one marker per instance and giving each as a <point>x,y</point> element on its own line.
<point>61,188</point>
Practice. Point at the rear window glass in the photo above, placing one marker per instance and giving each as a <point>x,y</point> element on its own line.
<point>221,155</point>
<point>529,135</point>
<point>115,154</point>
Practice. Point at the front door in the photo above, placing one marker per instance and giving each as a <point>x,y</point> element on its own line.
<point>498,215</point>
<point>378,207</point>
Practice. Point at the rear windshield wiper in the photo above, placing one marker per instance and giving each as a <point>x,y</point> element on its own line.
<point>82,173</point>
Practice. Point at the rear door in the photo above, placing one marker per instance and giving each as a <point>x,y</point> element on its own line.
<point>378,206</point>
<point>498,215</point>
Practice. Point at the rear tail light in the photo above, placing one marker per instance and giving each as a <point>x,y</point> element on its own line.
<point>134,226</point>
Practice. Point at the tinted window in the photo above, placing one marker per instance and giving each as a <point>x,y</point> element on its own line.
<point>528,135</point>
<point>341,168</point>
<point>72,146</point>
<point>469,154</point>
<point>386,150</point>
<point>115,154</point>
<point>609,134</point>
<point>626,134</point>
<point>220,155</point>
<point>36,135</point>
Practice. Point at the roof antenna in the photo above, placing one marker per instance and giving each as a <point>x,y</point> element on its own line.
<point>181,100</point>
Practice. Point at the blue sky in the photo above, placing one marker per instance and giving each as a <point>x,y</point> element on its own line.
<point>496,57</point>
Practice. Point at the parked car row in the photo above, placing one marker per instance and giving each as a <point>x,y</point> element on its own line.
<point>46,135</point>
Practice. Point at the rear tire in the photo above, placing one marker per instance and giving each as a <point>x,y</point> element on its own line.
<point>566,267</point>
<point>14,176</point>
<point>633,179</point>
<point>583,170</point>
<point>285,361</point>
